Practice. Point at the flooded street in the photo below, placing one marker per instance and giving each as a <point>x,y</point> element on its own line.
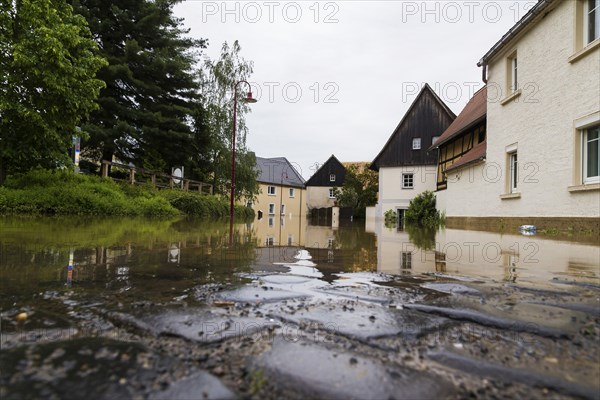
<point>135,308</point>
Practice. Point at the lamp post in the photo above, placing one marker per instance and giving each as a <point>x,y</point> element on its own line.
<point>247,99</point>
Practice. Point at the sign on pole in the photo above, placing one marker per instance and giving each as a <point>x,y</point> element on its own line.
<point>177,173</point>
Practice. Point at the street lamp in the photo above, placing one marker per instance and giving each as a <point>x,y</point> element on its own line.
<point>247,99</point>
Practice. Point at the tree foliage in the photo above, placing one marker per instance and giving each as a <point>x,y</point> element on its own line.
<point>360,189</point>
<point>163,105</point>
<point>151,93</point>
<point>218,79</point>
<point>48,63</point>
<point>422,211</point>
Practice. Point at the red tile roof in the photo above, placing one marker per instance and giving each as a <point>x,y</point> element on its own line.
<point>477,153</point>
<point>473,113</point>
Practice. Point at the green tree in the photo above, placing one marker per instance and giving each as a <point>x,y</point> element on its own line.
<point>48,63</point>
<point>218,79</point>
<point>151,98</point>
<point>359,190</point>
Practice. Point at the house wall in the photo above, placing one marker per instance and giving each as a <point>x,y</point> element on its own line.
<point>281,228</point>
<point>294,206</point>
<point>540,123</point>
<point>318,197</point>
<point>466,190</point>
<point>391,194</point>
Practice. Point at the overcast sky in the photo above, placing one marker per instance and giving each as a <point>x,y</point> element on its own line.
<point>337,77</point>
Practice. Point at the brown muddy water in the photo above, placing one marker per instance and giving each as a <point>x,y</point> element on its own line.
<point>136,308</point>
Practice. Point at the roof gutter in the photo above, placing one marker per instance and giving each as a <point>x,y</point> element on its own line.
<point>511,34</point>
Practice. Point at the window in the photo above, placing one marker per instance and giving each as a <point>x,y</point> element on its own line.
<point>271,190</point>
<point>271,209</point>
<point>290,239</point>
<point>283,209</point>
<point>282,221</point>
<point>406,260</point>
<point>407,181</point>
<point>591,22</point>
<point>481,134</point>
<point>591,161</point>
<point>249,204</point>
<point>271,222</point>
<point>514,172</point>
<point>433,139</point>
<point>331,193</point>
<point>416,145</point>
<point>260,215</point>
<point>512,76</point>
<point>292,192</point>
<point>330,243</point>
<point>332,178</point>
<point>269,242</point>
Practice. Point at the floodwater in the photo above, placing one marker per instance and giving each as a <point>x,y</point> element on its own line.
<point>138,308</point>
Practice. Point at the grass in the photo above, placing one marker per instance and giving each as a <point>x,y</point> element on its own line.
<point>43,192</point>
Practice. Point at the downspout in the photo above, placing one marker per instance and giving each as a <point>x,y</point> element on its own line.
<point>483,71</point>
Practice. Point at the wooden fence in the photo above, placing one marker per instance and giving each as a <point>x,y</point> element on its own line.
<point>154,178</point>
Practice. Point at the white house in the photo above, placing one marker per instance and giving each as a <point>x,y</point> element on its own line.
<point>543,123</point>
<point>406,167</point>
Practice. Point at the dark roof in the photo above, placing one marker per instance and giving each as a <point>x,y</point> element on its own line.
<point>278,171</point>
<point>322,176</point>
<point>473,113</point>
<point>427,116</point>
<point>521,25</point>
<point>474,155</point>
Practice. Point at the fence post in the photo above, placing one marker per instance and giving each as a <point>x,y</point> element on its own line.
<point>104,169</point>
<point>132,176</point>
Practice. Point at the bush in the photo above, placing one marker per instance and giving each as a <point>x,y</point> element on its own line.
<point>422,211</point>
<point>42,192</point>
<point>196,204</point>
<point>390,218</point>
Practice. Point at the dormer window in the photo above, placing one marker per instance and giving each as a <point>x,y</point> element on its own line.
<point>416,144</point>
<point>331,177</point>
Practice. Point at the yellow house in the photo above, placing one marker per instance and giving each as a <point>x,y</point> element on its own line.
<point>280,206</point>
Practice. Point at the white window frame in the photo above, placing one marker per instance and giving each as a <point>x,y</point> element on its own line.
<point>282,209</point>
<point>411,176</point>
<point>514,77</point>
<point>584,156</point>
<point>513,164</point>
<point>331,196</point>
<point>586,21</point>
<point>416,143</point>
<point>271,190</point>
<point>271,208</point>
<point>269,242</point>
<point>292,193</point>
<point>331,177</point>
<point>271,221</point>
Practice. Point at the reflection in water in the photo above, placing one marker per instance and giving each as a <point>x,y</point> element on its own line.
<point>105,257</point>
<point>505,257</point>
<point>149,258</point>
